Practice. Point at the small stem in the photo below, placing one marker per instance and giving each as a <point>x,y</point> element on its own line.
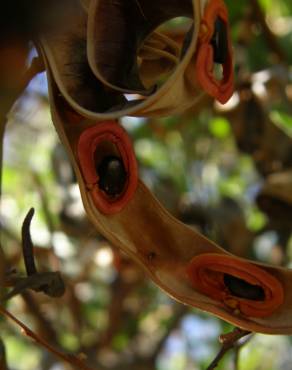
<point>228,341</point>
<point>76,362</point>
<point>27,245</point>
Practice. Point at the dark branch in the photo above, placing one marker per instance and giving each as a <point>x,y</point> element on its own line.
<point>229,341</point>
<point>27,245</point>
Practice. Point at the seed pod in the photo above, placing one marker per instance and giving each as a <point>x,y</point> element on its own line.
<point>108,165</point>
<point>215,47</point>
<point>239,285</point>
<point>112,175</point>
<point>242,289</point>
<point>219,41</point>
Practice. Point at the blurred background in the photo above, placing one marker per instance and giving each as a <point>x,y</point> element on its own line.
<point>224,170</point>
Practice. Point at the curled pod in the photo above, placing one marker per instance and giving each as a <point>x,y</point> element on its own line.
<point>108,165</point>
<point>241,286</point>
<point>214,48</point>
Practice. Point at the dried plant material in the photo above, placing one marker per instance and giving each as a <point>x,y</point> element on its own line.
<point>27,245</point>
<point>214,49</point>
<point>64,53</point>
<point>164,247</point>
<point>50,283</point>
<point>230,341</point>
<point>108,165</point>
<point>158,56</point>
<point>77,362</point>
<point>239,285</point>
<point>112,49</point>
<point>116,42</point>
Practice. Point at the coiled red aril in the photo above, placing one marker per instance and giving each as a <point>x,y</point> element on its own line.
<point>108,165</point>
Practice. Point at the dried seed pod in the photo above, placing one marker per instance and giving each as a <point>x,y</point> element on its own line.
<point>101,54</point>
<point>214,46</point>
<point>108,165</point>
<point>170,252</point>
<point>116,42</point>
<point>243,287</point>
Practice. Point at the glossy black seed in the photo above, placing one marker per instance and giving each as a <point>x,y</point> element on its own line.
<point>112,175</point>
<point>219,41</point>
<point>242,289</point>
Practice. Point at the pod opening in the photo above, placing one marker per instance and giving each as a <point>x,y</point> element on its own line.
<point>112,176</point>
<point>242,289</point>
<point>214,56</point>
<point>219,41</point>
<point>240,286</point>
<point>108,166</point>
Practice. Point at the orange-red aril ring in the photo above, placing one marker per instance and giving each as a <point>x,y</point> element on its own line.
<point>214,47</point>
<point>240,286</point>
<point>108,166</point>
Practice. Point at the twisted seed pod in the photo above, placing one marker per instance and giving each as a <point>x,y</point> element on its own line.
<point>170,252</point>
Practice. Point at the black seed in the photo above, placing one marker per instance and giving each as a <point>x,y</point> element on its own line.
<point>242,289</point>
<point>112,175</point>
<point>219,41</point>
<point>151,256</point>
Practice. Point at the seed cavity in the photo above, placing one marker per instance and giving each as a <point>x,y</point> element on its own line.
<point>242,289</point>
<point>219,41</point>
<point>112,175</point>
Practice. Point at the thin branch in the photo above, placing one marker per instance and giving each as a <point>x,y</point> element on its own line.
<point>228,341</point>
<point>75,361</point>
<point>50,283</point>
<point>44,326</point>
<point>237,349</point>
<point>27,245</point>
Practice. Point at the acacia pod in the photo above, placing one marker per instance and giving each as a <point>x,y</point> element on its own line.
<point>241,286</point>
<point>214,46</point>
<point>108,165</point>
